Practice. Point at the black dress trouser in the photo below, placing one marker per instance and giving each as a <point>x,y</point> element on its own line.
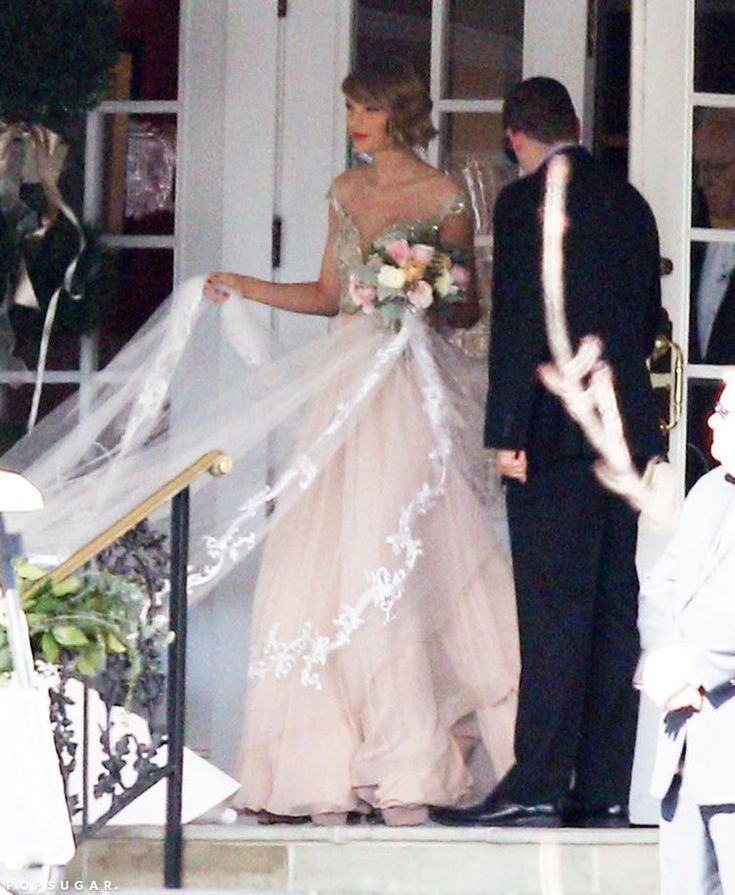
<point>577,590</point>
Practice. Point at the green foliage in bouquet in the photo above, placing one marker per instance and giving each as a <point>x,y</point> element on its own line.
<point>55,59</point>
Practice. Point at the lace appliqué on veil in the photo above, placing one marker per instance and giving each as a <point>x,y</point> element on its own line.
<point>385,587</point>
<point>239,539</point>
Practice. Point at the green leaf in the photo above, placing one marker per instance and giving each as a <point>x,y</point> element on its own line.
<point>29,572</point>
<point>91,660</point>
<point>47,604</point>
<point>69,635</point>
<point>50,648</point>
<point>66,587</point>
<point>32,591</point>
<point>391,311</point>
<point>114,644</point>
<point>6,659</point>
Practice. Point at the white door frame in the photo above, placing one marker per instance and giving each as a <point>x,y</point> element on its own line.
<point>658,161</point>
<point>662,113</point>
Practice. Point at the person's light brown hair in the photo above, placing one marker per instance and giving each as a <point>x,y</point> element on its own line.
<point>395,87</point>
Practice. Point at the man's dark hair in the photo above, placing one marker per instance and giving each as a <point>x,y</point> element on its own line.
<point>542,109</point>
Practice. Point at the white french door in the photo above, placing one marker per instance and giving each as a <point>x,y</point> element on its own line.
<point>682,81</point>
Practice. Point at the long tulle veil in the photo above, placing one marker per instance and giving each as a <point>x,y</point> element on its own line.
<point>199,377</point>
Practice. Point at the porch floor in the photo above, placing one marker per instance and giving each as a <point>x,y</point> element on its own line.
<point>378,860</point>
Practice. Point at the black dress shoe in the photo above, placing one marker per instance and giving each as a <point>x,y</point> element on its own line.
<point>268,818</point>
<point>597,816</point>
<point>500,813</point>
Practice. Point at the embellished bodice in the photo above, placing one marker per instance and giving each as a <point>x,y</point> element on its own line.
<point>348,250</point>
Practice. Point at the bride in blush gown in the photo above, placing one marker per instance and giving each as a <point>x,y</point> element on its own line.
<point>384,623</point>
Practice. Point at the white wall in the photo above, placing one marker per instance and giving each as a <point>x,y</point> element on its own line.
<point>316,60</point>
<point>555,42</point>
<point>236,183</point>
<point>200,145</point>
<point>226,187</point>
<point>248,112</point>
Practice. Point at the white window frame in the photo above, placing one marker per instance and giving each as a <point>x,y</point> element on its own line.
<point>438,66</point>
<point>93,209</point>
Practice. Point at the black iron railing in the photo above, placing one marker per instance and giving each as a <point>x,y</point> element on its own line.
<point>163,707</point>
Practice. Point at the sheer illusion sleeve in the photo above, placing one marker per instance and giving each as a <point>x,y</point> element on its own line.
<point>456,204</point>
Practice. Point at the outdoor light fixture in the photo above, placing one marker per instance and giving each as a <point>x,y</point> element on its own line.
<point>17,494</point>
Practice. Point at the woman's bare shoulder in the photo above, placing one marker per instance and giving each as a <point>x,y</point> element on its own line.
<point>346,184</point>
<point>443,186</point>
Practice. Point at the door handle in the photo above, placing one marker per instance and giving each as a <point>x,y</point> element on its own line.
<point>665,266</point>
<point>673,379</point>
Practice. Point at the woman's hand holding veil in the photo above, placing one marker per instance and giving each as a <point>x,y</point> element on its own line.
<point>218,287</point>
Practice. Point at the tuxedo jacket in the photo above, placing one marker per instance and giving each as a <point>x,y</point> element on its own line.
<point>689,598</point>
<point>612,289</point>
<point>721,345</point>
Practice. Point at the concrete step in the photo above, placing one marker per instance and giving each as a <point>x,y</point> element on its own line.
<point>375,860</point>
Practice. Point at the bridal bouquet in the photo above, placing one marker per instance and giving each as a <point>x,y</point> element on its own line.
<point>400,276</point>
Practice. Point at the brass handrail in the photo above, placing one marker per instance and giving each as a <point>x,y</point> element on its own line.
<point>216,463</point>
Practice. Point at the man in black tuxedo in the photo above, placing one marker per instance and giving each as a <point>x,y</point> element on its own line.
<point>573,543</point>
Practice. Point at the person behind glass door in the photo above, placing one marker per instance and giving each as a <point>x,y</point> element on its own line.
<point>712,329</point>
<point>712,297</point>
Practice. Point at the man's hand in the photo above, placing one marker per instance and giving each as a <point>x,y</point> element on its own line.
<point>512,464</point>
<point>669,680</point>
<point>688,697</point>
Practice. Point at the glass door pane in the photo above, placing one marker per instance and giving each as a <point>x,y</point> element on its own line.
<point>714,46</point>
<point>400,29</point>
<point>712,217</point>
<point>135,147</point>
<point>485,43</point>
<point>713,153</point>
<point>138,174</point>
<point>480,56</point>
<point>149,44</point>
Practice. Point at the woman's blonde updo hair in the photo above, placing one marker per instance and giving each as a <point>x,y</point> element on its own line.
<point>395,87</point>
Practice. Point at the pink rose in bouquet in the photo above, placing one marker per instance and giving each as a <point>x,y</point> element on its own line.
<point>402,277</point>
<point>461,276</point>
<point>399,250</point>
<point>423,253</point>
<point>362,294</point>
<point>421,295</point>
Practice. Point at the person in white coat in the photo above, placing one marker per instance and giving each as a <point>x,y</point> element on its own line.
<point>687,626</point>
